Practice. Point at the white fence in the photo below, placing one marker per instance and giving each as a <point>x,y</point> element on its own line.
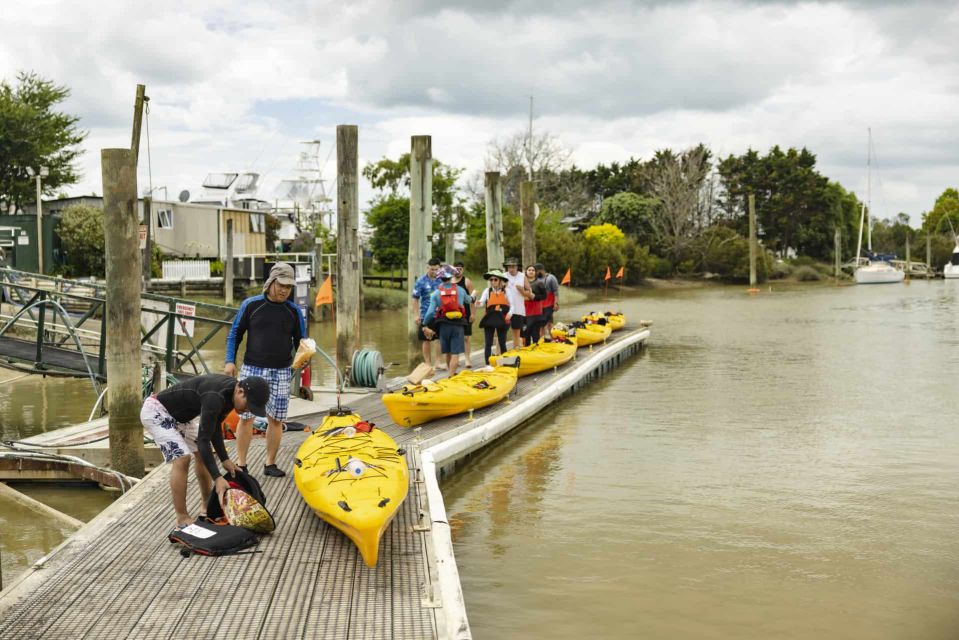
<point>190,269</point>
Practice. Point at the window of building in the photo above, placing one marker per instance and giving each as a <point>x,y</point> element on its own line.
<point>165,218</point>
<point>257,223</point>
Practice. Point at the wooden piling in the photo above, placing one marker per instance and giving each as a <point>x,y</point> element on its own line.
<point>228,265</point>
<point>494,221</point>
<point>421,219</point>
<point>148,245</point>
<point>137,122</point>
<point>752,241</point>
<point>928,256</point>
<point>347,243</point>
<point>908,257</point>
<point>64,520</point>
<point>529,223</point>
<point>121,226</point>
<point>837,253</point>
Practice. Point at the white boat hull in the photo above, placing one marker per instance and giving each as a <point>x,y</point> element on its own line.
<point>879,274</point>
<point>951,272</point>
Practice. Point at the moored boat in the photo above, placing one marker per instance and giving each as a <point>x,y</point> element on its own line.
<point>465,391</point>
<point>354,477</point>
<point>615,320</point>
<point>584,334</point>
<point>540,356</point>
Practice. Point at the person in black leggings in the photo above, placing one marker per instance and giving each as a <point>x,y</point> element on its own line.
<point>497,307</point>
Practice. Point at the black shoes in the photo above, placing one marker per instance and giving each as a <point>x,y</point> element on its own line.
<point>273,470</point>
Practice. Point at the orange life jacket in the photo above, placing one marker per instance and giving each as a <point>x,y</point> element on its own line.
<point>496,300</point>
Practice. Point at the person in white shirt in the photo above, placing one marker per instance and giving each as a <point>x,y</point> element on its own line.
<point>517,292</point>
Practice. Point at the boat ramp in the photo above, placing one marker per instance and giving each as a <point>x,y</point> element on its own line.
<point>119,577</point>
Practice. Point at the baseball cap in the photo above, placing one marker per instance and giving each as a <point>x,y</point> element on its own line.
<point>257,394</point>
<point>283,273</point>
<point>539,266</point>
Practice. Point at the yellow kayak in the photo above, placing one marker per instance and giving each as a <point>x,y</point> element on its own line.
<point>467,390</point>
<point>540,356</point>
<point>353,479</point>
<point>616,321</point>
<point>586,335</point>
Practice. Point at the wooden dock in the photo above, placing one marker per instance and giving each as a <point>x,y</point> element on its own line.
<point>118,577</point>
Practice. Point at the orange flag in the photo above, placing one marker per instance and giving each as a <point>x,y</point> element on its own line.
<point>608,276</point>
<point>325,294</point>
<point>619,274</point>
<point>566,278</point>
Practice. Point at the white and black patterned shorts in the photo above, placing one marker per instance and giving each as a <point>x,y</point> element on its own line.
<point>175,439</point>
<point>279,381</point>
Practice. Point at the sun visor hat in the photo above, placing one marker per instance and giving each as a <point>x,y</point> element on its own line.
<point>283,273</point>
<point>257,394</point>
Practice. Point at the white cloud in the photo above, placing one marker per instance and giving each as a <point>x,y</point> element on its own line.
<point>238,84</point>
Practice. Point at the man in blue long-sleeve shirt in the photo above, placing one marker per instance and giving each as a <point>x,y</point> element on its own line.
<point>448,307</point>
<point>274,326</point>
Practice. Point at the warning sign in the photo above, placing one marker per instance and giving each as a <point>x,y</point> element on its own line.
<point>143,236</point>
<point>184,326</point>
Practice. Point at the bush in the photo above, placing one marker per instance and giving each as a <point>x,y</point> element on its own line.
<point>807,273</point>
<point>216,267</point>
<point>781,270</point>
<point>723,251</point>
<point>377,298</point>
<point>84,247</point>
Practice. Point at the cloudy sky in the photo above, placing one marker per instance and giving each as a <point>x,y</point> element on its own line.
<point>237,84</point>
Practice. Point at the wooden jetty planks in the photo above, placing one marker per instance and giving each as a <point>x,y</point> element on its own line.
<point>119,577</point>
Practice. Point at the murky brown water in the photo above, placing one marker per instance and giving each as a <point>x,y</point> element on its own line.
<point>781,466</point>
<point>778,466</point>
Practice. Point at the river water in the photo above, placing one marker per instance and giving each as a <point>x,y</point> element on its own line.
<point>779,465</point>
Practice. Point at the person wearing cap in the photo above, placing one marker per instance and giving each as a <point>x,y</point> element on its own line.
<point>517,292</point>
<point>497,307</point>
<point>551,303</point>
<point>185,419</point>
<point>448,307</point>
<point>273,325</point>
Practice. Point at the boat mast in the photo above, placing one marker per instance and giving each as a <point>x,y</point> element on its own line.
<point>862,215</point>
<point>869,191</point>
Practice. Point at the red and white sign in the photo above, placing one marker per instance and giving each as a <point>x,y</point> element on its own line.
<point>143,236</point>
<point>183,326</point>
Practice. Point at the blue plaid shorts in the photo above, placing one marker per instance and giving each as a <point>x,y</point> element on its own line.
<point>279,381</point>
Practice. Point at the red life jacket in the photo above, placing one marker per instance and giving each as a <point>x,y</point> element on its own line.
<point>450,302</point>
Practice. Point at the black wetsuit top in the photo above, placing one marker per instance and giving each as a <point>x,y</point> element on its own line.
<point>211,398</point>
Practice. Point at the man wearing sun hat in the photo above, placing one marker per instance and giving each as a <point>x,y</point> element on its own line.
<point>274,326</point>
<point>185,419</point>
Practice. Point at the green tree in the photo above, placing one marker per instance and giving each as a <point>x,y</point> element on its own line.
<point>630,212</point>
<point>390,218</point>
<point>792,203</point>
<point>81,234</point>
<point>944,212</point>
<point>392,179</point>
<point>33,133</point>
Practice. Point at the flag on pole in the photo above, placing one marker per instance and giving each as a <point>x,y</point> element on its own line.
<point>619,274</point>
<point>607,276</point>
<point>325,294</point>
<point>567,278</point>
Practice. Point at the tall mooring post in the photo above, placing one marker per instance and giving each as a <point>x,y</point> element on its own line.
<point>347,243</point>
<point>752,241</point>
<point>836,253</point>
<point>928,256</point>
<point>494,221</point>
<point>529,223</point>
<point>148,244</point>
<point>228,265</point>
<point>908,257</point>
<point>121,226</point>
<point>421,219</point>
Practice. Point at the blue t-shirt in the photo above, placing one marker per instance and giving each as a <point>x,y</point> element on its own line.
<point>422,290</point>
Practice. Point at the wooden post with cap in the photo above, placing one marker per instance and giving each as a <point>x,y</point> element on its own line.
<point>347,243</point>
<point>494,221</point>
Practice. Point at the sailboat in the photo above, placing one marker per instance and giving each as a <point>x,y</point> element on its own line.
<point>874,269</point>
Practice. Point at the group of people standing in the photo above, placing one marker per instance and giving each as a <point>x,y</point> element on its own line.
<point>519,302</point>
